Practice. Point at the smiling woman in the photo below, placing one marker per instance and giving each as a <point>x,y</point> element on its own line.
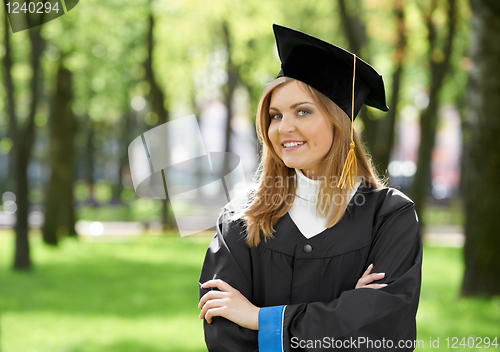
<point>292,261</point>
<point>300,133</point>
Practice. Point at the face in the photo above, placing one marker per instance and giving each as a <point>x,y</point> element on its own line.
<point>300,133</point>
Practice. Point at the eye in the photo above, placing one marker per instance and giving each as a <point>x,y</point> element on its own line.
<point>303,112</point>
<point>274,116</point>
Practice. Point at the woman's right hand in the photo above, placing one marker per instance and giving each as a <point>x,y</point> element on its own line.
<point>365,280</point>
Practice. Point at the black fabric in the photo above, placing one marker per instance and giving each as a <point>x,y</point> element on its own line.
<point>317,283</point>
<point>329,69</point>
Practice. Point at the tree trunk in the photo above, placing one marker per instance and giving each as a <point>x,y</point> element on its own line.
<point>59,210</point>
<point>355,33</point>
<point>232,81</point>
<point>24,142</point>
<point>125,140</point>
<point>439,65</point>
<point>461,104</point>
<point>10,102</point>
<point>384,142</point>
<point>90,160</point>
<point>157,100</point>
<point>482,162</point>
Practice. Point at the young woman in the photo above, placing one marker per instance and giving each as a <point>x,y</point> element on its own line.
<point>290,267</point>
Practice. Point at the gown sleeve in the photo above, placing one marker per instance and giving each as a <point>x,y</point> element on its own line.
<point>227,259</point>
<point>361,316</point>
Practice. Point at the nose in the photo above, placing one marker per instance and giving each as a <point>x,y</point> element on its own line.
<point>286,124</point>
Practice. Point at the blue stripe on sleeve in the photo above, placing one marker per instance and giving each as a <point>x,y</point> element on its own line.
<point>270,329</point>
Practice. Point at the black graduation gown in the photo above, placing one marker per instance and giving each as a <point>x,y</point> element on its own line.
<point>317,283</point>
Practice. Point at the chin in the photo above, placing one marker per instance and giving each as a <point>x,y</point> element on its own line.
<point>292,164</point>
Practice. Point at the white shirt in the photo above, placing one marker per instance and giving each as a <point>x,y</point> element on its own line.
<point>303,211</point>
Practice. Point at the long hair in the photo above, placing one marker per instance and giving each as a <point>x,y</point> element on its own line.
<point>276,183</point>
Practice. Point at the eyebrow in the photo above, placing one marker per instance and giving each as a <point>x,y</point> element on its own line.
<point>293,106</point>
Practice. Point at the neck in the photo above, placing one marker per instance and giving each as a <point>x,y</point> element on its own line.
<point>306,187</point>
<point>309,174</point>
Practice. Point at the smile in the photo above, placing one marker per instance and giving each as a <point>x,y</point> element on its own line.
<point>292,145</point>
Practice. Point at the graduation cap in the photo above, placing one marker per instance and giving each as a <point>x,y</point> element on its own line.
<point>329,69</point>
<point>345,79</point>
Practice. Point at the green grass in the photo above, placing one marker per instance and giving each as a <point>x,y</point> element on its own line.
<point>141,295</point>
<point>442,313</point>
<point>439,215</point>
<point>136,296</point>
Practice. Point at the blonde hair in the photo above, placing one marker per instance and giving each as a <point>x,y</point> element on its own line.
<point>269,202</point>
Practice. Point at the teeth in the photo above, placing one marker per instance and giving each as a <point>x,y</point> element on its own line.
<point>292,144</point>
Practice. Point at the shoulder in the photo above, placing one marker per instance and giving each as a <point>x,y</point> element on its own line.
<point>387,197</point>
<point>385,201</point>
<point>230,226</point>
<point>392,211</point>
<point>239,201</point>
<point>391,199</point>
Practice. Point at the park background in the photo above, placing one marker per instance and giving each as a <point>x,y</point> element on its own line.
<point>87,265</point>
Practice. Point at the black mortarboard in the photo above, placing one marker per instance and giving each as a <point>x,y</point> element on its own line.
<point>329,69</point>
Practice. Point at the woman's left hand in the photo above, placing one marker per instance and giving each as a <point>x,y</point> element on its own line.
<point>228,303</point>
<point>367,278</point>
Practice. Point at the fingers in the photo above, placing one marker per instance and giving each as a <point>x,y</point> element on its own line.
<point>367,278</point>
<point>214,304</point>
<point>375,286</point>
<point>214,312</point>
<point>375,277</point>
<point>210,295</point>
<point>368,270</point>
<point>218,283</point>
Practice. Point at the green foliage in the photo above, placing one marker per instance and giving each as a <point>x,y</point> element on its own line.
<point>5,145</point>
<point>102,192</point>
<point>103,43</point>
<point>81,191</point>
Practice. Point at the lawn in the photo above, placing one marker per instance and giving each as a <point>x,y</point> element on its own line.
<point>141,295</point>
<point>88,296</point>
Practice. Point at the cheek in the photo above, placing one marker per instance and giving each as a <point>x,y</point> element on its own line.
<point>272,134</point>
<point>323,139</point>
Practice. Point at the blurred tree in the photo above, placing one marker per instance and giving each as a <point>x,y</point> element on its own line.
<point>59,210</point>
<point>378,133</point>
<point>384,142</point>
<point>89,152</point>
<point>125,139</point>
<point>156,98</point>
<point>439,63</point>
<point>23,145</point>
<point>482,161</point>
<point>11,105</point>
<point>233,76</point>
<point>354,30</point>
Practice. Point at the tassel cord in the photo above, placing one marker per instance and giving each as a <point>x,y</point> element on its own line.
<point>350,170</point>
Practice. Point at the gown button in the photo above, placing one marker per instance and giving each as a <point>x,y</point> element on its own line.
<point>308,248</point>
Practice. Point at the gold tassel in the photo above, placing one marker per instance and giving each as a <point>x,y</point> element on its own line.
<point>350,170</point>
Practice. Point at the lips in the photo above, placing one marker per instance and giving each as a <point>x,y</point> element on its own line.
<point>292,147</point>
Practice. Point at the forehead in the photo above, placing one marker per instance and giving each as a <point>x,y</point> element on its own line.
<point>288,94</point>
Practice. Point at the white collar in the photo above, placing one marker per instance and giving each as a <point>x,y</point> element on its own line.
<point>303,211</point>
<point>308,188</point>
